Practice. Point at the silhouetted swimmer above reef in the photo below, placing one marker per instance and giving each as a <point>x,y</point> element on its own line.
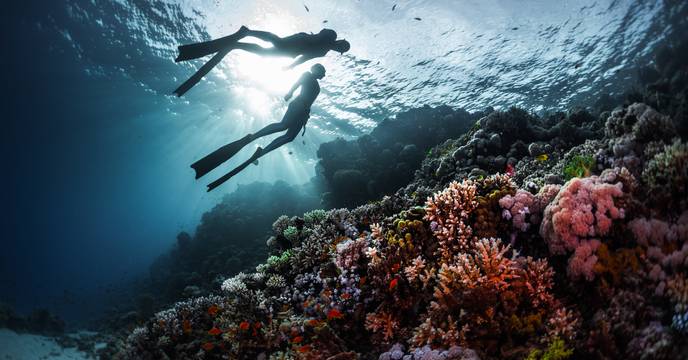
<point>293,121</point>
<point>301,46</point>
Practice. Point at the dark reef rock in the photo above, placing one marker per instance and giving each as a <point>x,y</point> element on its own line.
<point>379,163</point>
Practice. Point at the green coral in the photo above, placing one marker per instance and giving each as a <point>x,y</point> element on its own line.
<point>291,233</point>
<point>314,217</point>
<point>279,263</point>
<point>556,350</point>
<point>666,176</point>
<point>579,166</point>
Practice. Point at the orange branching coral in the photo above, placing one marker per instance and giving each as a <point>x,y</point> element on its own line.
<point>563,324</point>
<point>537,279</point>
<point>489,294</point>
<point>448,212</point>
<point>382,323</point>
<point>414,270</point>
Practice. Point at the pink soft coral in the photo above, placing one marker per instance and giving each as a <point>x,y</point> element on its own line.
<point>580,216</point>
<point>524,204</point>
<point>666,245</point>
<point>583,209</point>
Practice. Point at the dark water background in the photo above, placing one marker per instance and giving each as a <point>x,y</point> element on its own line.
<point>96,179</point>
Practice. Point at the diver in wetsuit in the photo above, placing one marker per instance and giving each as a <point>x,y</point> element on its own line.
<point>302,47</point>
<point>293,121</point>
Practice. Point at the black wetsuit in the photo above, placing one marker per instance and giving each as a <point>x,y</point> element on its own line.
<point>300,44</point>
<point>299,109</point>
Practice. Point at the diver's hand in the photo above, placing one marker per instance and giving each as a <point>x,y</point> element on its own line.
<point>287,97</point>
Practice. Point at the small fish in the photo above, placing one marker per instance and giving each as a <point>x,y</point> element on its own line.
<point>297,339</point>
<point>395,267</point>
<point>244,325</point>
<point>362,281</point>
<point>394,7</point>
<point>334,314</point>
<point>304,349</point>
<point>417,18</point>
<point>257,325</point>
<point>213,309</point>
<point>208,346</point>
<point>307,9</point>
<point>255,162</point>
<point>510,170</point>
<point>578,65</point>
<point>514,28</point>
<point>346,296</point>
<point>324,21</point>
<point>542,157</point>
<point>186,326</point>
<point>214,331</point>
<point>290,153</point>
<point>393,284</point>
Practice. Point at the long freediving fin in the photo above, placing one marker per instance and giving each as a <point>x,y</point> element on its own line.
<point>196,77</point>
<point>201,49</point>
<point>238,169</point>
<point>217,157</point>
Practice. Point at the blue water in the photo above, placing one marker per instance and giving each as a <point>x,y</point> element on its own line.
<point>97,182</point>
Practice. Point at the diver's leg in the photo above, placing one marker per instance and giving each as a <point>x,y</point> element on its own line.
<point>198,75</point>
<point>257,49</point>
<point>224,153</point>
<point>270,129</point>
<point>197,50</point>
<point>217,157</point>
<point>286,138</point>
<point>263,35</point>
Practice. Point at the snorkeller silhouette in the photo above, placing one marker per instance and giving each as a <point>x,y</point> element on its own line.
<point>293,121</point>
<point>302,47</point>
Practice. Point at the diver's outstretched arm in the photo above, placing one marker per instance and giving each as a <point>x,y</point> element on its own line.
<point>296,85</point>
<point>300,60</point>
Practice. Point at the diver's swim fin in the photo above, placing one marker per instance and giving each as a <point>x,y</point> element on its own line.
<point>196,77</point>
<point>201,49</point>
<point>217,157</point>
<point>227,176</point>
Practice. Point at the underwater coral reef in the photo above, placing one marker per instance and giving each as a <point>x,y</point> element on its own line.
<point>516,236</point>
<point>527,238</point>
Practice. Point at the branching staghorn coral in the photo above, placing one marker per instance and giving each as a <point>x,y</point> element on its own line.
<point>448,212</point>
